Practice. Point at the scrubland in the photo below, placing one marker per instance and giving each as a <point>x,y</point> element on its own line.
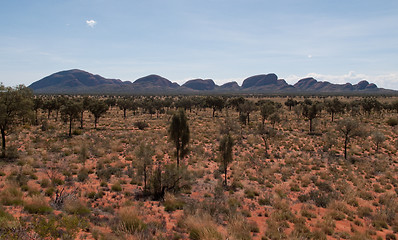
<point>300,185</point>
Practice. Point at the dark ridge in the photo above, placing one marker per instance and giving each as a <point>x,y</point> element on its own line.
<point>76,81</point>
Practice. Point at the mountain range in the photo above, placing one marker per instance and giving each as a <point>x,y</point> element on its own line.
<point>77,81</point>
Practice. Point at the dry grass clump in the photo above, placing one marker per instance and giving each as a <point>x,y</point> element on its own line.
<point>201,227</point>
<point>129,221</point>
<point>239,228</point>
<point>37,204</point>
<point>75,206</point>
<point>171,203</point>
<point>11,196</point>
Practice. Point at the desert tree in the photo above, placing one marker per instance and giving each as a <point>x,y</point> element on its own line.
<point>226,155</point>
<point>275,118</point>
<point>98,108</point>
<point>144,154</point>
<point>245,109</point>
<point>215,103</point>
<point>111,102</point>
<point>290,102</point>
<point>179,134</point>
<point>49,105</point>
<point>70,111</point>
<point>354,108</point>
<point>266,133</point>
<point>333,107</point>
<point>147,104</point>
<point>158,106</point>
<point>394,106</point>
<point>378,137</point>
<point>58,102</point>
<point>234,102</point>
<point>16,104</point>
<point>349,128</point>
<point>124,104</point>
<point>310,111</point>
<point>85,103</point>
<point>186,103</point>
<point>168,178</point>
<point>370,105</point>
<point>267,108</point>
<point>37,104</point>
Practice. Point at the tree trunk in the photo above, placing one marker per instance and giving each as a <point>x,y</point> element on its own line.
<point>3,142</point>
<point>81,119</point>
<point>70,126</point>
<point>248,118</point>
<point>145,179</point>
<point>345,147</point>
<point>225,175</point>
<point>95,122</point>
<point>310,125</point>
<point>36,120</point>
<point>332,116</point>
<point>178,157</point>
<point>124,113</point>
<point>265,146</point>
<point>49,112</point>
<point>214,110</point>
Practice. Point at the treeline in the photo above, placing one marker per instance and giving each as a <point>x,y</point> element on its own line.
<point>19,106</point>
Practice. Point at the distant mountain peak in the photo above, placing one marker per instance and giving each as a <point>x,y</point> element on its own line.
<point>72,79</point>
<point>155,80</point>
<point>260,80</point>
<point>200,84</point>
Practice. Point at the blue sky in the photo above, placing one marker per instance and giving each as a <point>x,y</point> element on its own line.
<point>225,40</point>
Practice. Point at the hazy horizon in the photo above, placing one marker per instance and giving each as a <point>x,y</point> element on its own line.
<point>221,40</point>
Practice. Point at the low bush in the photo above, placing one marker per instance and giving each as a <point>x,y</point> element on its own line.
<point>76,207</point>
<point>392,122</point>
<point>37,204</point>
<point>11,196</point>
<point>171,203</point>
<point>141,125</point>
<point>116,187</point>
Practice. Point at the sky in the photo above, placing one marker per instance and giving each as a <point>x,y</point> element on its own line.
<point>224,40</point>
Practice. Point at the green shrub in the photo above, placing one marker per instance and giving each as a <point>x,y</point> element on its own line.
<point>171,203</point>
<point>392,122</point>
<point>249,193</point>
<point>5,219</point>
<point>364,212</point>
<point>295,187</point>
<point>265,201</point>
<point>82,175</point>
<point>45,182</point>
<point>116,187</point>
<point>49,191</point>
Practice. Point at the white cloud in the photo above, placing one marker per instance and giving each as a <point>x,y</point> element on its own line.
<point>91,23</point>
<point>389,80</point>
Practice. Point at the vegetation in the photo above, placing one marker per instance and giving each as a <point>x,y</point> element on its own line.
<point>179,134</point>
<point>258,176</point>
<point>16,106</point>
